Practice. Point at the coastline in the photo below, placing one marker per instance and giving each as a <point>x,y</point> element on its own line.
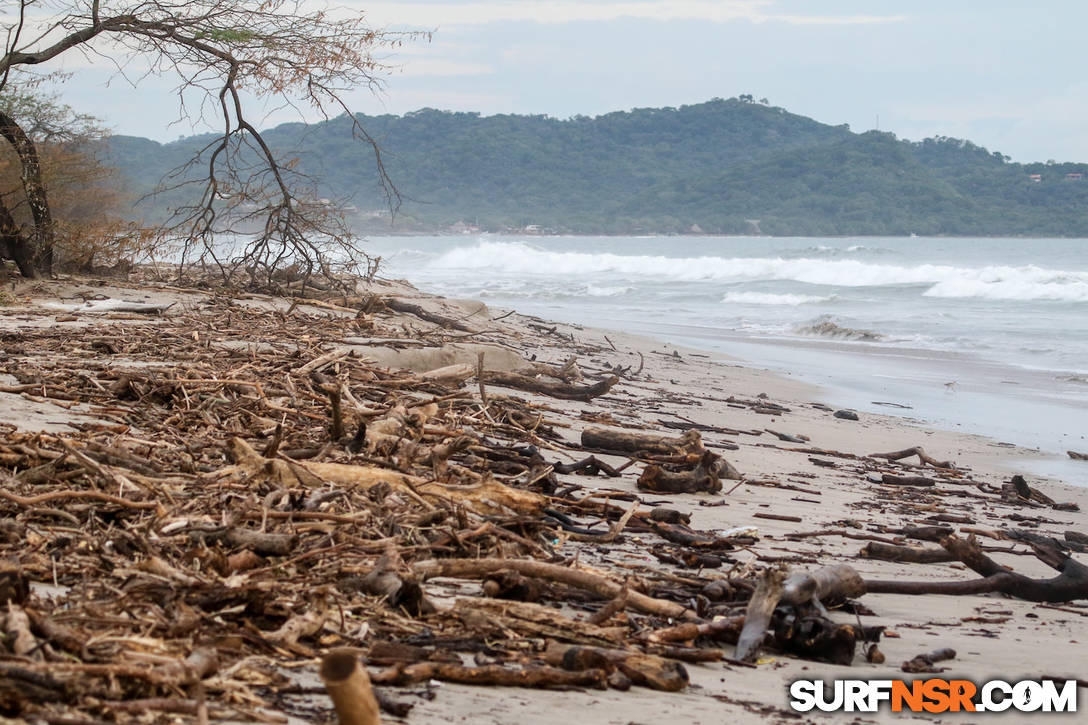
<point>993,636</point>
<point>871,321</point>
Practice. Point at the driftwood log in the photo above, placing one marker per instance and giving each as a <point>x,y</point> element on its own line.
<point>646,670</point>
<point>348,685</point>
<point>757,619</point>
<point>925,661</point>
<point>906,554</point>
<point>1070,584</point>
<point>706,476</point>
<point>923,457</point>
<point>494,675</point>
<point>835,582</point>
<point>890,479</point>
<point>399,305</point>
<point>620,441</point>
<point>603,587</point>
<point>560,390</point>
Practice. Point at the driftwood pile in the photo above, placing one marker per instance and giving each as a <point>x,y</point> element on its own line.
<point>237,512</point>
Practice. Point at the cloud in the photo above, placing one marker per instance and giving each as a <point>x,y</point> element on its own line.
<point>439,14</point>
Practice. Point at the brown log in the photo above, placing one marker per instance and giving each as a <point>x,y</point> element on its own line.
<point>923,457</point>
<point>506,584</point>
<point>838,581</point>
<point>705,477</point>
<point>488,497</point>
<point>553,572</point>
<point>1070,584</point>
<point>686,536</point>
<point>589,466</point>
<point>890,479</point>
<point>260,542</point>
<point>787,437</point>
<point>923,533</point>
<point>495,675</point>
<point>534,620</point>
<point>348,685</point>
<point>610,609</point>
<point>777,517</point>
<point>399,305</point>
<point>815,637</point>
<point>726,629</point>
<point>651,671</point>
<point>562,391</point>
<point>906,554</point>
<point>57,634</point>
<point>757,618</point>
<point>925,661</point>
<point>610,439</point>
<point>1076,537</point>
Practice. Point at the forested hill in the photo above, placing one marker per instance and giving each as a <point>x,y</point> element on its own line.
<point>725,166</point>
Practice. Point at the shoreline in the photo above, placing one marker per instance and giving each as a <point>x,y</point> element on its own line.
<point>987,384</point>
<point>787,493</point>
<point>921,398</point>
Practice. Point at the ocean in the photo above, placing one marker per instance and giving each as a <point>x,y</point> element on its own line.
<point>988,336</point>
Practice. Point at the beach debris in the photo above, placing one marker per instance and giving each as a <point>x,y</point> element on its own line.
<point>349,688</point>
<point>891,479</point>
<point>234,512</point>
<point>611,440</point>
<point>1017,491</point>
<point>561,390</point>
<point>906,554</point>
<point>925,662</point>
<point>845,414</point>
<point>1070,584</point>
<point>705,477</point>
<point>924,458</point>
<point>788,438</point>
<point>113,305</point>
<point>399,305</point>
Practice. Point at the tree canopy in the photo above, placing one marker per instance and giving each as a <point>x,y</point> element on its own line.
<point>717,165</point>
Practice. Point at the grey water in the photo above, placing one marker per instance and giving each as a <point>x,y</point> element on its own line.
<point>985,335</point>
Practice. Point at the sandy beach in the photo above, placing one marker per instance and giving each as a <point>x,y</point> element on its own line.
<point>805,504</point>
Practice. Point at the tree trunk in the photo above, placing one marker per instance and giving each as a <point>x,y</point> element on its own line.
<point>37,251</point>
<point>16,246</point>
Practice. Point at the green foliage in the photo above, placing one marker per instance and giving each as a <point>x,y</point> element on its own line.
<point>717,164</point>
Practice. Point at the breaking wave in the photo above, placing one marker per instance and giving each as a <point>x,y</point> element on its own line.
<point>1020,283</point>
<point>766,298</point>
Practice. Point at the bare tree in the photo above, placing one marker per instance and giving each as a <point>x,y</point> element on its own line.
<point>85,198</point>
<point>225,51</point>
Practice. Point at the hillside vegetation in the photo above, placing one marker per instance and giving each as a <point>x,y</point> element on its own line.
<point>725,166</point>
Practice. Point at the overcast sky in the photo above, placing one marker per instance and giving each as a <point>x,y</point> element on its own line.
<point>1011,76</point>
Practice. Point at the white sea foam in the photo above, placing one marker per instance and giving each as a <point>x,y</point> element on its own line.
<point>1024,283</point>
<point>517,259</point>
<point>607,291</point>
<point>766,298</point>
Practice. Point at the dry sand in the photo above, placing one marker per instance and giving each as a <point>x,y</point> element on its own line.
<point>994,637</point>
